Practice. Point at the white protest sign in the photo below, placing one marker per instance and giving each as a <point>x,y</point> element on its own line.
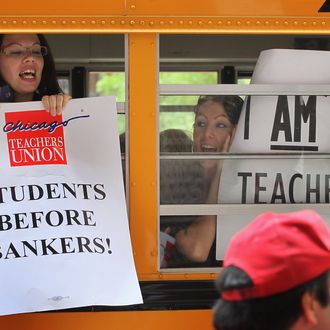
<point>279,124</point>
<point>64,237</point>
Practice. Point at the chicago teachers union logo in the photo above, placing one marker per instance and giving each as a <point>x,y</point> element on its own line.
<point>35,138</point>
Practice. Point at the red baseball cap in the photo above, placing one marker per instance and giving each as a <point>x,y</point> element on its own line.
<point>279,251</point>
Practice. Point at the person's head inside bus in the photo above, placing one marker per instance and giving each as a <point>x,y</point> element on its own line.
<point>27,72</point>
<point>216,117</point>
<point>276,275</point>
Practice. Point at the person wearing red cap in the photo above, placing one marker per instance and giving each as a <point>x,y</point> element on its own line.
<point>276,275</point>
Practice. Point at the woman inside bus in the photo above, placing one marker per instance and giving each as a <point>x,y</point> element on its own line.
<point>27,72</point>
<point>215,123</point>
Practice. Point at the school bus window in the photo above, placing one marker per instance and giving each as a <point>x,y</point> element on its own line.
<point>64,84</point>
<point>107,83</point>
<point>63,77</point>
<point>103,83</point>
<point>177,117</point>
<point>244,81</point>
<point>189,78</point>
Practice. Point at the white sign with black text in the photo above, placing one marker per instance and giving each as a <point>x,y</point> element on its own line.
<point>64,237</point>
<point>279,124</point>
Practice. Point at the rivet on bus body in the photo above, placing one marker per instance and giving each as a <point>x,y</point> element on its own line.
<point>152,184</point>
<point>277,22</point>
<point>266,23</point>
<point>93,22</point>
<point>190,22</point>
<point>133,184</point>
<point>181,22</point>
<point>122,22</point>
<point>131,22</point>
<point>33,22</point>
<point>314,23</point>
<point>63,22</point>
<point>4,22</point>
<point>212,275</point>
<point>44,22</point>
<point>161,22</point>
<point>171,22</point>
<point>200,22</point>
<point>248,22</point>
<point>258,22</point>
<point>14,22</point>
<point>151,23</point>
<point>286,23</point>
<point>142,22</point>
<point>153,253</point>
<point>228,22</point>
<point>103,22</point>
<point>323,23</point>
<point>113,22</point>
<point>186,276</point>
<point>295,23</point>
<point>219,22</point>
<point>210,22</point>
<point>238,23</point>
<point>133,7</point>
<point>54,22</point>
<point>160,275</point>
<point>24,22</point>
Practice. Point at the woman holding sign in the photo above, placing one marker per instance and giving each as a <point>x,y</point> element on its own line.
<point>214,128</point>
<point>27,72</point>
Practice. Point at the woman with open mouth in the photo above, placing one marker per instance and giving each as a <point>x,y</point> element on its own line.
<point>27,72</point>
<point>215,123</point>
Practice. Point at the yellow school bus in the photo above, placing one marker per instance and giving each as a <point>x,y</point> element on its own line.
<point>141,40</point>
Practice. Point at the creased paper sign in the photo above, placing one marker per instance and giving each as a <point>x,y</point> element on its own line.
<point>279,124</point>
<point>64,238</point>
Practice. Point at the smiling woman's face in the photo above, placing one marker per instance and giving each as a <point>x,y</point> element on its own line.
<point>212,127</point>
<point>22,73</point>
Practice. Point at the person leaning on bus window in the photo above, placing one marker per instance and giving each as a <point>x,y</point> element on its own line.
<point>215,123</point>
<point>276,275</point>
<point>27,72</point>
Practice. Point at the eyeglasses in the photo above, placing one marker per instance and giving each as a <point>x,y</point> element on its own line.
<point>19,51</point>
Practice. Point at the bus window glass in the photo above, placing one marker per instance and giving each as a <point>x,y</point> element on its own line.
<point>64,84</point>
<point>107,83</point>
<point>243,81</point>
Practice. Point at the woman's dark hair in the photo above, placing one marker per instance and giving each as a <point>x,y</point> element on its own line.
<point>231,103</point>
<point>272,313</point>
<point>48,83</point>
